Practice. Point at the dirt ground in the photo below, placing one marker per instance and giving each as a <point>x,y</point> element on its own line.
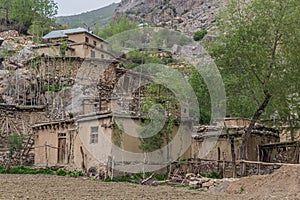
<point>282,184</point>
<point>53,187</point>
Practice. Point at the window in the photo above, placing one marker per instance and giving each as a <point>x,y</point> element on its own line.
<point>86,39</point>
<point>94,135</point>
<point>92,54</point>
<point>61,134</point>
<point>102,56</point>
<point>101,46</point>
<point>95,43</point>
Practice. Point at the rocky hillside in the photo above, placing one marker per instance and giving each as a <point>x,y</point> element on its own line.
<point>186,16</point>
<point>98,17</point>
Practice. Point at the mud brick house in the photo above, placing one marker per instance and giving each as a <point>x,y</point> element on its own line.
<point>83,144</point>
<point>236,127</point>
<point>77,42</point>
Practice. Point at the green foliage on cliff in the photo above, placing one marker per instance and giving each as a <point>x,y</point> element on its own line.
<point>20,14</point>
<point>119,25</point>
<point>199,35</point>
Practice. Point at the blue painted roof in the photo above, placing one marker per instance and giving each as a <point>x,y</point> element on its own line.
<point>64,33</point>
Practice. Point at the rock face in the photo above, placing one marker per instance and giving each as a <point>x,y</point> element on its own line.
<point>185,16</point>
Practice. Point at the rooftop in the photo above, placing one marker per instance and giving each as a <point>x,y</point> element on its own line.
<point>66,32</point>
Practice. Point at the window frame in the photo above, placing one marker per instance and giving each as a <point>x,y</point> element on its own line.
<point>94,135</point>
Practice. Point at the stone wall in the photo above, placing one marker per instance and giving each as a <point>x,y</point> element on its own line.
<point>18,120</point>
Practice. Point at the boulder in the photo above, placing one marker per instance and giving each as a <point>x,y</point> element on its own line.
<point>208,184</point>
<point>195,184</point>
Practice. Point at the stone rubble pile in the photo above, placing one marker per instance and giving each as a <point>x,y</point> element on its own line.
<point>9,34</point>
<point>198,182</point>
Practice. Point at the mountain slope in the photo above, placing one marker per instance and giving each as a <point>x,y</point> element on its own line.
<point>186,16</point>
<point>98,17</point>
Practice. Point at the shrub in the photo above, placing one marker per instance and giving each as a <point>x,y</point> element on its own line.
<point>199,35</point>
<point>15,143</point>
<point>61,172</point>
<point>75,173</point>
<point>213,175</point>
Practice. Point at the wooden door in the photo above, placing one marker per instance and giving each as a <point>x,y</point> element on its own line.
<point>61,150</point>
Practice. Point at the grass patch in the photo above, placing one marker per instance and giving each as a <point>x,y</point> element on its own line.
<point>28,170</point>
<point>25,170</point>
<point>136,177</point>
<point>214,175</point>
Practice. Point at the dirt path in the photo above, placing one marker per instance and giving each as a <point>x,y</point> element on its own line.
<point>53,187</point>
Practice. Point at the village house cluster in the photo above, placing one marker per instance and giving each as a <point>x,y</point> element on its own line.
<point>84,139</point>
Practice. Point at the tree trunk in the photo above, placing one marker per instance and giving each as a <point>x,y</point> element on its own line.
<point>247,134</point>
<point>291,128</point>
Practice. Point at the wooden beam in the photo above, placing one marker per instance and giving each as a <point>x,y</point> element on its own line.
<point>267,163</point>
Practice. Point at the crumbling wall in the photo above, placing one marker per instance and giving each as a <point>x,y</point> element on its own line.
<point>222,149</point>
<point>18,120</point>
<point>285,152</point>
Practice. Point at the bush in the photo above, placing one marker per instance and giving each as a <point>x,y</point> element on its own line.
<point>199,35</point>
<point>61,172</point>
<point>75,173</point>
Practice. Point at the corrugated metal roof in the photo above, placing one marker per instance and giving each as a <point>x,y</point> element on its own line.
<point>64,33</point>
<point>1,39</point>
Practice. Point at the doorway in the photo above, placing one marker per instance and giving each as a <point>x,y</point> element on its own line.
<point>61,150</point>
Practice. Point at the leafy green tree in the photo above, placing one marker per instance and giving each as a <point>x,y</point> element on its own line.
<point>118,25</point>
<point>256,53</point>
<point>202,93</point>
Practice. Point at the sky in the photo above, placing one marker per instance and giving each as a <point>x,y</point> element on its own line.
<point>71,7</point>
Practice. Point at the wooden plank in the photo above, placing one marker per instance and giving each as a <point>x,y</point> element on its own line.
<point>267,163</point>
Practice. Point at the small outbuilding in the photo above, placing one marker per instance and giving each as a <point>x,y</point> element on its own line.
<point>223,142</point>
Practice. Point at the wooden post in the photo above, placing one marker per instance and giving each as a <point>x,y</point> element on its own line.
<point>112,167</point>
<point>46,154</point>
<point>144,165</point>
<point>223,164</point>
<point>258,159</point>
<point>233,156</point>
